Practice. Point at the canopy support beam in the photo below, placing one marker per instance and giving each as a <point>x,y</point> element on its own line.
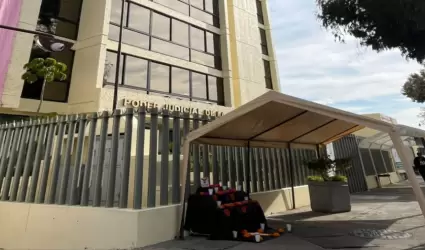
<point>402,152</point>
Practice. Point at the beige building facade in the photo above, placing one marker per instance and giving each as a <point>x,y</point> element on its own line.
<point>207,54</point>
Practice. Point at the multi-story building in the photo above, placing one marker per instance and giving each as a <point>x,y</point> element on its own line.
<point>205,54</point>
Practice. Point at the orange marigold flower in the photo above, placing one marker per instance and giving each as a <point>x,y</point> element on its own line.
<point>275,234</point>
<point>280,230</point>
<point>260,230</point>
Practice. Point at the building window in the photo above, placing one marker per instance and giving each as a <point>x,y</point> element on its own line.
<point>268,74</point>
<point>60,17</point>
<point>155,77</point>
<point>54,91</point>
<point>204,10</point>
<point>263,38</point>
<point>260,16</point>
<point>150,30</point>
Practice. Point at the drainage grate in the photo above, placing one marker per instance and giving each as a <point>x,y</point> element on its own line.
<point>384,234</point>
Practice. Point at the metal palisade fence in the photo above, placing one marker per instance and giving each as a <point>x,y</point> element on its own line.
<point>128,159</point>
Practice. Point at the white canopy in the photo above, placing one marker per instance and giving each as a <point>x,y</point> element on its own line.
<point>278,120</point>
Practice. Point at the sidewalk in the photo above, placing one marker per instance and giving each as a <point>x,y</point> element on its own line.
<point>391,208</point>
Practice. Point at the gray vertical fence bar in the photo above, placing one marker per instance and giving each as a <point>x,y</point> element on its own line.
<point>21,159</point>
<point>186,129</point>
<point>123,201</point>
<point>37,163</point>
<point>10,165</point>
<point>81,173</point>
<point>205,154</point>
<point>47,160</point>
<point>114,159</point>
<point>285,167</point>
<point>85,191</point>
<point>246,171</point>
<point>78,157</point>
<point>58,152</point>
<point>2,136</point>
<point>223,173</point>
<point>265,165</point>
<point>63,187</point>
<point>239,174</point>
<point>165,148</point>
<point>97,197</point>
<point>215,167</point>
<point>153,152</point>
<point>280,168</point>
<point>252,169</point>
<point>5,150</point>
<point>196,167</point>
<point>29,163</point>
<point>275,169</point>
<point>269,170</point>
<point>175,181</point>
<point>140,149</point>
<point>231,166</point>
<point>258,166</point>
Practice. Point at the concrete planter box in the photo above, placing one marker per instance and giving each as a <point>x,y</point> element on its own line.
<point>329,197</point>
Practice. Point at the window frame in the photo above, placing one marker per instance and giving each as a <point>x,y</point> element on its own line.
<point>219,80</point>
<point>216,55</point>
<point>65,20</point>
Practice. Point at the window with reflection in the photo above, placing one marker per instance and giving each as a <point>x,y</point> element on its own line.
<point>161,26</point>
<point>162,79</point>
<point>56,91</point>
<point>197,38</point>
<point>110,67</point>
<point>263,38</point>
<point>158,32</point>
<point>204,10</point>
<point>180,32</point>
<point>60,17</point>
<point>260,16</point>
<point>116,11</point>
<point>199,83</point>
<point>139,18</point>
<point>180,81</point>
<point>136,72</point>
<point>268,74</point>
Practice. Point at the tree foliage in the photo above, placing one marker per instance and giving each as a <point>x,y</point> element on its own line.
<point>414,87</point>
<point>48,70</point>
<point>379,24</point>
<point>324,165</point>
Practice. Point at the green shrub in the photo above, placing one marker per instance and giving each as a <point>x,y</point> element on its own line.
<point>339,178</point>
<point>315,178</point>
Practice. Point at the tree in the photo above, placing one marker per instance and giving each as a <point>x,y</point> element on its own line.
<point>379,24</point>
<point>414,87</point>
<point>48,70</point>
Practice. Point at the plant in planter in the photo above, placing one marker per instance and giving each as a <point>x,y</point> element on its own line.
<point>329,193</point>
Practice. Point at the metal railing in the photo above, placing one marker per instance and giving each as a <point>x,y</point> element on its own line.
<point>128,159</point>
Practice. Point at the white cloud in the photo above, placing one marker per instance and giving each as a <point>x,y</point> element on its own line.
<point>408,116</point>
<point>314,66</point>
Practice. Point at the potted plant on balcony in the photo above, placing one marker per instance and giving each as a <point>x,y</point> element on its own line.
<point>329,192</point>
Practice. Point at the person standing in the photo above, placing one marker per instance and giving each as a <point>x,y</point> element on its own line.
<point>419,163</point>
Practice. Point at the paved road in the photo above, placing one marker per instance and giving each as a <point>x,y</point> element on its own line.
<point>392,208</point>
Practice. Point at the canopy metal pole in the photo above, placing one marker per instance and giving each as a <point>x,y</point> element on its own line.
<point>184,177</point>
<point>402,152</point>
<point>291,169</point>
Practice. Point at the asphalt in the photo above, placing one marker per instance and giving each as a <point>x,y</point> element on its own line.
<point>386,218</point>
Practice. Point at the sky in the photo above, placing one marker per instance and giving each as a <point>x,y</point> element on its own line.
<point>313,66</point>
